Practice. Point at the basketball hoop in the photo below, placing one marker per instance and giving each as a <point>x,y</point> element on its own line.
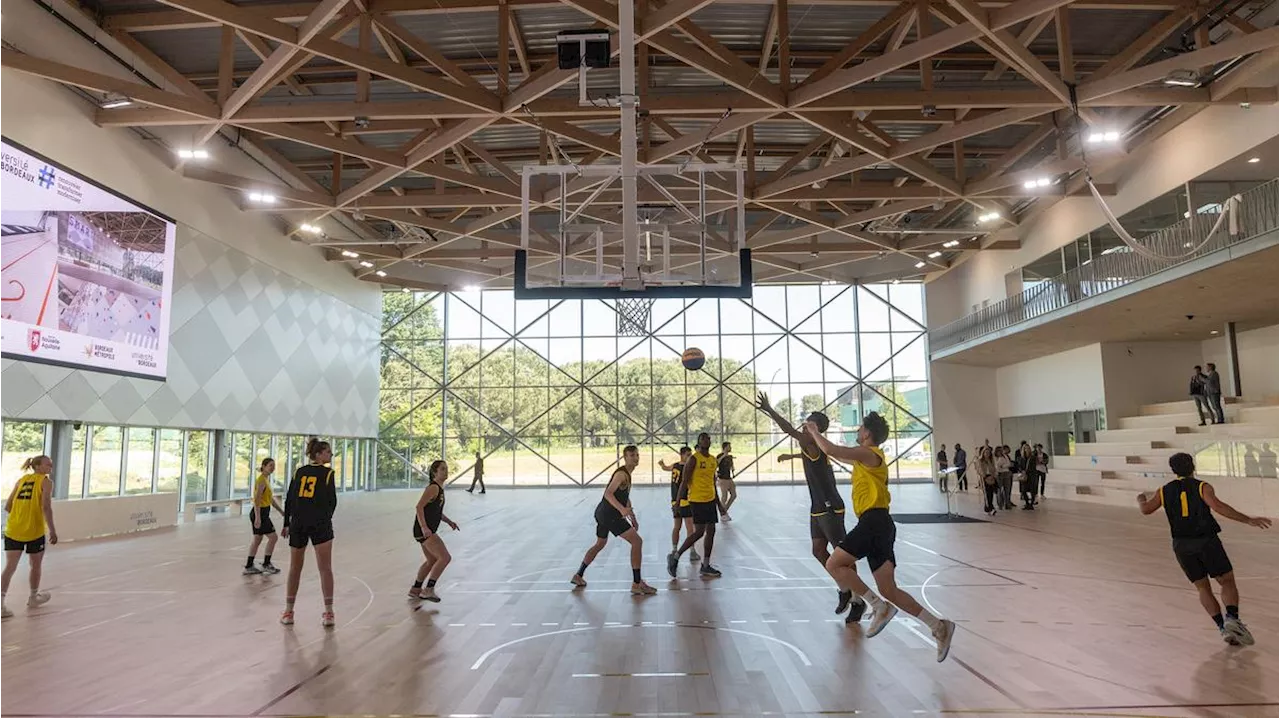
<point>633,316</point>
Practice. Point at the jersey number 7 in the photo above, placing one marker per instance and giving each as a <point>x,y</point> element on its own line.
<point>307,488</point>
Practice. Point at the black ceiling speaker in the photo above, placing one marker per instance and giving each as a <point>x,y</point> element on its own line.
<point>582,47</point>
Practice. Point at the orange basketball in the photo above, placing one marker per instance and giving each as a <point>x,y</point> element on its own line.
<point>693,359</point>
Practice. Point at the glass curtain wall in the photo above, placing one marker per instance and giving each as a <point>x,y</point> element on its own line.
<point>548,393</point>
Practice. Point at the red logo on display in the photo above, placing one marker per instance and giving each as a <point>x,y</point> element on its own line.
<point>33,339</point>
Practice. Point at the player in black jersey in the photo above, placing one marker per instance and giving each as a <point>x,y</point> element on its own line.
<point>826,508</point>
<point>724,480</point>
<point>427,516</point>
<point>308,518</point>
<point>1189,504</point>
<point>681,514</point>
<point>615,516</point>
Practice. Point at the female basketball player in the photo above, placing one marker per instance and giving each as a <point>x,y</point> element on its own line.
<point>615,516</point>
<point>30,509</point>
<point>308,517</point>
<point>724,477</point>
<point>260,519</point>
<point>681,515</point>
<point>426,524</point>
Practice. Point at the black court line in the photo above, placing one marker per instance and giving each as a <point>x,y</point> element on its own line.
<point>1014,699</point>
<point>293,689</point>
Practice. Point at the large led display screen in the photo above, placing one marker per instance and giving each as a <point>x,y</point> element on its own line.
<point>87,273</point>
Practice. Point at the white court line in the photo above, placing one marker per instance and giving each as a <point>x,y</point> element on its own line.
<point>326,634</point>
<point>95,625</point>
<point>924,595</point>
<point>804,658</point>
<point>922,548</point>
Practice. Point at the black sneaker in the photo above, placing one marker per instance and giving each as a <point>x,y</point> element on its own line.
<point>842,604</point>
<point>709,570</point>
<point>855,612</point>
<point>673,563</point>
<point>270,568</point>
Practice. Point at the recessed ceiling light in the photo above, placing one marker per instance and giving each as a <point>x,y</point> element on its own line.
<point>349,253</point>
<point>470,288</point>
<point>1043,182</point>
<point>188,154</point>
<point>366,264</point>
<point>1215,331</point>
<point>404,289</point>
<point>380,273</point>
<point>935,255</point>
<point>114,100</point>
<point>263,197</point>
<point>896,280</point>
<point>951,244</point>
<point>919,265</point>
<point>1254,160</point>
<point>309,228</point>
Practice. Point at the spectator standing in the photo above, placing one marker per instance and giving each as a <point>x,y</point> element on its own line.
<point>1004,475</point>
<point>1025,466</point>
<point>1213,391</point>
<point>1197,394</point>
<point>961,460</point>
<point>942,469</point>
<point>1042,465</point>
<point>985,466</point>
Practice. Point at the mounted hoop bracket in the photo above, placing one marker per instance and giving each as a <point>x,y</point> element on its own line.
<point>742,290</point>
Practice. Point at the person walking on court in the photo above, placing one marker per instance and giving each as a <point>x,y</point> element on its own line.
<point>30,509</point>
<point>826,508</point>
<point>699,482</point>
<point>614,515</point>
<point>1189,505</point>
<point>427,516</point>
<point>1213,392</point>
<point>309,504</point>
<point>724,479</point>
<point>477,475</point>
<point>680,512</point>
<point>873,536</point>
<point>961,461</point>
<point>260,520</point>
<point>1197,393</point>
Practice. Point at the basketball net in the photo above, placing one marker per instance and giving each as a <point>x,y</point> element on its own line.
<point>633,316</point>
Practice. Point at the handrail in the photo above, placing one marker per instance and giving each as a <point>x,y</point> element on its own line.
<point>1256,214</point>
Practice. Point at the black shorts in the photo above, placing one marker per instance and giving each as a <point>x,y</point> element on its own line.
<point>265,525</point>
<point>609,521</point>
<point>828,527</point>
<point>433,524</point>
<point>705,512</point>
<point>33,546</point>
<point>1199,557</point>
<point>299,536</point>
<point>872,538</point>
<point>681,512</point>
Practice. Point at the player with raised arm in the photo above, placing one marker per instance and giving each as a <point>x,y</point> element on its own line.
<point>826,508</point>
<point>873,535</point>
<point>1189,505</point>
<point>614,515</point>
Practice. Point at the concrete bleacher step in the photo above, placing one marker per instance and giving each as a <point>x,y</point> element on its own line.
<point>1234,414</point>
<point>1186,406</point>
<point>1107,436</point>
<point>1117,448</point>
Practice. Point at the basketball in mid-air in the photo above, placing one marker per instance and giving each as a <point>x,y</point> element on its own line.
<point>693,359</point>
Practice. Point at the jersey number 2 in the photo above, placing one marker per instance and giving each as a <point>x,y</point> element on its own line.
<point>307,488</point>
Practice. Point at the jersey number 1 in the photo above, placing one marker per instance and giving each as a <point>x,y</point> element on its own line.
<point>307,488</point>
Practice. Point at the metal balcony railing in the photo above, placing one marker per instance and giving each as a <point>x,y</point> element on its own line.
<point>1256,214</point>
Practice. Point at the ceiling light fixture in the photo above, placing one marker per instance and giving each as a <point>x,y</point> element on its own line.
<point>309,228</point>
<point>1183,78</point>
<point>114,100</point>
<point>1215,331</point>
<point>263,197</point>
<point>990,216</point>
<point>1109,136</point>
<point>951,244</point>
<point>897,281</point>
<point>366,264</point>
<point>352,255</point>
<point>470,288</point>
<point>380,273</point>
<point>935,255</point>
<point>919,265</point>
<point>1254,160</point>
<point>1044,182</point>
<point>1029,184</point>
<point>187,154</point>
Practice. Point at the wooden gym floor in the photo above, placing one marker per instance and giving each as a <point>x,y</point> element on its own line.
<point>1073,610</point>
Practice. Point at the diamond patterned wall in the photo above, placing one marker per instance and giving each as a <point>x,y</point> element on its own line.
<point>251,349</point>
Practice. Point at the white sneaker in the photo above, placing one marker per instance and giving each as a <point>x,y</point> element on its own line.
<point>1227,638</point>
<point>881,618</point>
<point>727,518</point>
<point>946,630</point>
<point>42,597</point>
<point>1236,628</point>
<point>578,581</point>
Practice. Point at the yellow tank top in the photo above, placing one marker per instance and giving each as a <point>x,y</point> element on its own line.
<point>702,487</point>
<point>265,501</point>
<point>26,520</point>
<point>870,485</point>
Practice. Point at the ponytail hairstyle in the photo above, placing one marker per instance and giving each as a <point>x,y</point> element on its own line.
<point>263,467</point>
<point>35,461</point>
<point>435,466</point>
<point>315,446</point>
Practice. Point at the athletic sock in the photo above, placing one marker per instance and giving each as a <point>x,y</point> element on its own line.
<point>431,583</point>
<point>1233,612</point>
<point>873,601</point>
<point>249,563</point>
<point>417,584</point>
<point>582,570</point>
<point>930,620</point>
<point>266,560</point>
<point>1217,618</point>
<point>635,575</point>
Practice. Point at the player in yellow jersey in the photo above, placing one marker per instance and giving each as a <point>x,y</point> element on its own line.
<point>681,514</point>
<point>260,519</point>
<point>873,536</point>
<point>699,480</point>
<point>30,509</point>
